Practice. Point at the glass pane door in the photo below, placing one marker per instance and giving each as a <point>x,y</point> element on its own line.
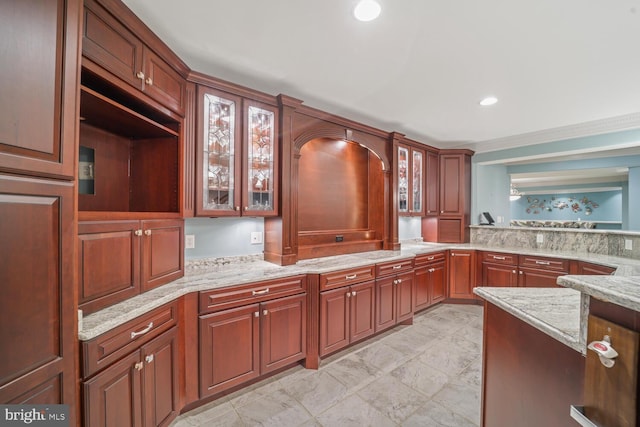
<point>261,127</point>
<point>417,168</point>
<point>219,155</point>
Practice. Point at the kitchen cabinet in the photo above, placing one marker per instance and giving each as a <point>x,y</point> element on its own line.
<point>588,268</point>
<point>432,185</point>
<point>111,45</point>
<point>120,259</point>
<point>461,274</point>
<point>130,374</point>
<point>236,155</point>
<point>498,269</point>
<point>347,304</point>
<point>410,180</point>
<point>430,279</point>
<point>540,272</point>
<point>249,331</point>
<point>38,110</point>
<point>394,293</point>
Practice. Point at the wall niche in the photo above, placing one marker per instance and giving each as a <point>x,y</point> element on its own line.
<point>340,198</point>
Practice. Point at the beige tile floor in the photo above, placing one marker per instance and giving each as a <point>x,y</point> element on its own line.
<point>426,374</point>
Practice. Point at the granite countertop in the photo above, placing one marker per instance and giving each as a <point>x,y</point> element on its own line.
<point>204,275</point>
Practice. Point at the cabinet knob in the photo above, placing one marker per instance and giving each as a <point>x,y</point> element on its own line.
<point>246,208</point>
<point>237,208</point>
<point>521,272</point>
<point>147,232</point>
<point>140,75</point>
<point>265,312</point>
<point>399,281</point>
<point>441,211</point>
<point>256,314</point>
<point>353,293</point>
<point>395,282</point>
<point>149,358</point>
<point>138,232</point>
<point>139,366</point>
<point>149,81</point>
<point>514,272</point>
<point>431,270</point>
<point>348,294</point>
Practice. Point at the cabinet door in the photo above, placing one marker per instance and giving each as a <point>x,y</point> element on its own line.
<point>403,180</point>
<point>162,252</point>
<point>108,263</point>
<point>385,303</point>
<point>421,279</point>
<point>37,309</point>
<point>417,182</point>
<point>438,281</point>
<point>404,296</point>
<point>218,159</point>
<point>538,278</point>
<point>334,320</point>
<point>283,332</point>
<point>160,379</point>
<point>362,311</point>
<point>108,43</point>
<point>451,182</point>
<point>499,275</point>
<point>260,186</point>
<point>229,348</point>
<point>39,45</point>
<point>587,268</point>
<point>461,274</point>
<point>163,83</point>
<point>112,398</point>
<point>432,185</point>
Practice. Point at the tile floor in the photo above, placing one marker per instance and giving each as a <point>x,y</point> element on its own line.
<point>426,374</point>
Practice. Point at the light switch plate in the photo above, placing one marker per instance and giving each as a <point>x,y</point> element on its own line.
<point>628,244</point>
<point>189,241</point>
<point>256,237</point>
<point>540,238</point>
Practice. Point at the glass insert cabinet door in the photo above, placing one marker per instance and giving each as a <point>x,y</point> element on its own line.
<point>260,160</point>
<point>417,175</point>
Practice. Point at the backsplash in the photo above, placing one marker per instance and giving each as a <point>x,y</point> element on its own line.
<point>579,241</point>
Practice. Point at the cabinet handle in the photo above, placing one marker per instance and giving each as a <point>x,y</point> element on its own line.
<point>353,293</point>
<point>149,358</point>
<point>149,81</point>
<point>430,258</point>
<point>514,272</point>
<point>138,232</point>
<point>237,208</point>
<point>350,276</point>
<point>395,282</point>
<point>399,281</point>
<point>139,366</point>
<point>543,262</point>
<point>265,312</point>
<point>348,294</point>
<point>147,232</point>
<point>256,314</point>
<point>262,292</point>
<point>441,211</point>
<point>453,254</point>
<point>521,272</point>
<point>431,270</point>
<point>140,75</point>
<point>246,208</point>
<point>499,257</point>
<point>397,267</point>
<point>142,332</point>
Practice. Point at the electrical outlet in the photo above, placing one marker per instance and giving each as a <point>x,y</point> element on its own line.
<point>540,238</point>
<point>628,244</point>
<point>189,241</point>
<point>256,237</point>
<point>500,219</point>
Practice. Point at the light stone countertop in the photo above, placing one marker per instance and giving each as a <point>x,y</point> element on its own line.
<point>213,274</point>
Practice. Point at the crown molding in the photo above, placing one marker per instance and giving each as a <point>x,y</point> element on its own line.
<point>594,127</point>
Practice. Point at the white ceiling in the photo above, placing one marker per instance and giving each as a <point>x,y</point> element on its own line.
<point>424,65</point>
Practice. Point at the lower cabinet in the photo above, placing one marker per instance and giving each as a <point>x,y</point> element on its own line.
<point>538,278</point>
<point>461,274</point>
<point>242,343</point>
<point>139,390</point>
<point>430,280</point>
<point>346,316</point>
<point>394,294</point>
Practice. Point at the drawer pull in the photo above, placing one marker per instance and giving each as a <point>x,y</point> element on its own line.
<point>499,257</point>
<point>348,294</point>
<point>262,292</point>
<point>265,312</point>
<point>142,332</point>
<point>543,262</point>
<point>256,314</point>
<point>430,258</point>
<point>431,270</point>
<point>350,276</point>
<point>397,267</point>
<point>149,358</point>
<point>139,366</point>
<point>353,293</point>
<point>399,281</point>
<point>138,232</point>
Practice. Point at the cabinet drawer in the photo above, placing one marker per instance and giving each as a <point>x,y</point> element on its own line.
<point>555,264</point>
<point>337,279</point>
<point>394,267</point>
<point>234,296</point>
<point>499,258</point>
<point>429,258</point>
<point>110,346</point>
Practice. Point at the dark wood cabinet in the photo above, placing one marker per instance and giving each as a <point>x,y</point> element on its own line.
<point>120,259</point>
<point>432,185</point>
<point>236,155</point>
<point>504,269</point>
<point>250,330</point>
<point>461,274</point>
<point>498,269</point>
<point>588,268</point>
<point>110,44</point>
<point>394,293</point>
<point>410,178</point>
<point>430,280</point>
<point>538,278</point>
<point>139,390</point>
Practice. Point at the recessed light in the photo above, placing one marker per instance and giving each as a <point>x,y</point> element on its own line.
<point>489,100</point>
<point>367,10</point>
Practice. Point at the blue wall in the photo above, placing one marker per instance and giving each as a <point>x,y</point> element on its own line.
<point>220,237</point>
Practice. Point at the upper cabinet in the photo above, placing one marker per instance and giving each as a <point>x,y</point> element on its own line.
<point>432,185</point>
<point>455,174</point>
<point>236,155</point>
<point>109,44</point>
<point>410,180</point>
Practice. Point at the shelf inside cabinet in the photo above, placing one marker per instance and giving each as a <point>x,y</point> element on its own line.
<point>102,112</point>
